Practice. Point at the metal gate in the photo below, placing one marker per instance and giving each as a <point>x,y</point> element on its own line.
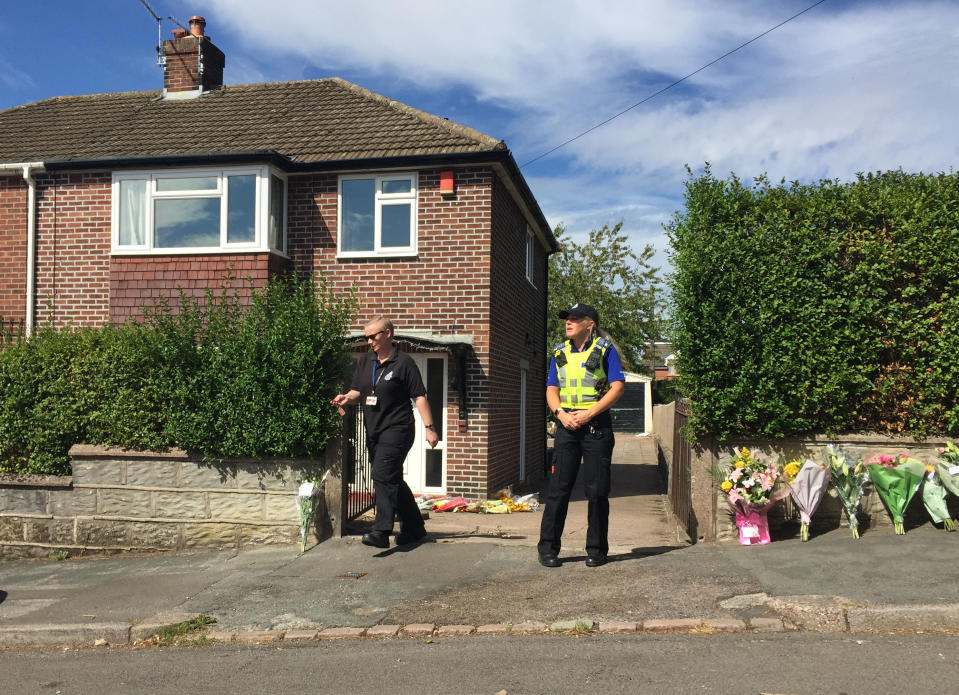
<point>680,476</point>
<point>357,474</point>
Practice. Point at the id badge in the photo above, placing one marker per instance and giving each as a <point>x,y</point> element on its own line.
<point>371,400</point>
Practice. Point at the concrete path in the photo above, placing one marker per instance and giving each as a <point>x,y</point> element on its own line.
<point>639,517</point>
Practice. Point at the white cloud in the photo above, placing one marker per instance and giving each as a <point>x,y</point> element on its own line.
<point>14,78</point>
<point>849,86</point>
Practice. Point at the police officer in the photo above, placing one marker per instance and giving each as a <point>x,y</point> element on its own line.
<point>384,382</point>
<point>585,379</point>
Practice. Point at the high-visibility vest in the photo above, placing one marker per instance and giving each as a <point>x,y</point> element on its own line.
<point>582,377</point>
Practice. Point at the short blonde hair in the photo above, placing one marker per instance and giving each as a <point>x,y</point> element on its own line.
<point>384,323</point>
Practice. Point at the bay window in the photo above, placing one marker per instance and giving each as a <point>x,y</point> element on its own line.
<point>190,211</point>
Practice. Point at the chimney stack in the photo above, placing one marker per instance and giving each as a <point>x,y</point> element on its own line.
<point>193,64</point>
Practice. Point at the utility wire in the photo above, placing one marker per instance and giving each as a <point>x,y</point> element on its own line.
<point>670,86</point>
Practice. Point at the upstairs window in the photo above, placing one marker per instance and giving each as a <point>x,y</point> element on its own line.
<point>377,216</point>
<point>190,211</point>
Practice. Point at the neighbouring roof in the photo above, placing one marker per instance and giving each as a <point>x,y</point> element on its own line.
<point>305,121</point>
<point>656,354</point>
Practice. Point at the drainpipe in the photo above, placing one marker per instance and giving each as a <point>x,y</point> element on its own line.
<point>28,169</point>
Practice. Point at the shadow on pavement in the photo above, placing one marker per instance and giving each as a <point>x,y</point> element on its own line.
<point>634,554</point>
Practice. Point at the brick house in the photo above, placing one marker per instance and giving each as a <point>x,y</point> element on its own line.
<point>661,359</point>
<point>108,201</point>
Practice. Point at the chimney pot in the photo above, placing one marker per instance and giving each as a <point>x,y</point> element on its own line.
<point>179,33</point>
<point>197,24</point>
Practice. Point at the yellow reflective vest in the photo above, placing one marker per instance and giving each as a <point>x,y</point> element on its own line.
<point>582,378</point>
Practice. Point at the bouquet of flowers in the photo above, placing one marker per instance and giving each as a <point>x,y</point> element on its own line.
<point>947,466</point>
<point>848,480</point>
<point>934,499</point>
<point>806,485</point>
<point>748,482</point>
<point>896,485</point>
<point>306,502</point>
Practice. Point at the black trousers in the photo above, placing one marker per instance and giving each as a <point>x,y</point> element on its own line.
<point>393,496</point>
<point>593,445</point>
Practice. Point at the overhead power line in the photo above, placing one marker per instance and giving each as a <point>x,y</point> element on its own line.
<point>673,84</point>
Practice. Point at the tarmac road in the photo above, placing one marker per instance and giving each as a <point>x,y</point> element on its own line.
<point>787,664</point>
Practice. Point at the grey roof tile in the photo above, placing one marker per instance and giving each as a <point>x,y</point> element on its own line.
<point>307,121</point>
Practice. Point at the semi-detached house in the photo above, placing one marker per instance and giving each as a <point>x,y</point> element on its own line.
<point>108,201</point>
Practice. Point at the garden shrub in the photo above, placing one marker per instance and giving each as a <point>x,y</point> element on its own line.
<point>818,307</point>
<point>222,377</point>
<point>39,411</point>
<point>255,380</point>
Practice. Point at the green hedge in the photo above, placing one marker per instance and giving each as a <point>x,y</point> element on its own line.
<point>222,377</point>
<point>823,307</point>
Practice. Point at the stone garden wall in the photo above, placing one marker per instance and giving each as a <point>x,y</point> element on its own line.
<point>120,500</point>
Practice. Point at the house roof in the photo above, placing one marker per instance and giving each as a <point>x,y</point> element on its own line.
<point>656,353</point>
<point>305,125</point>
<point>305,121</point>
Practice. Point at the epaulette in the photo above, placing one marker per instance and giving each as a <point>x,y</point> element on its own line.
<point>603,343</point>
<point>558,348</point>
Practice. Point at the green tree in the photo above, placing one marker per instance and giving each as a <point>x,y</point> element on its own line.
<point>606,273</point>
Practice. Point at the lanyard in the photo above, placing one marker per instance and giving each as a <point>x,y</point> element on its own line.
<point>375,379</point>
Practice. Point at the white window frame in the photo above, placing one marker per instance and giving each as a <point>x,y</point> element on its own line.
<point>380,199</point>
<point>260,240</point>
<point>530,255</point>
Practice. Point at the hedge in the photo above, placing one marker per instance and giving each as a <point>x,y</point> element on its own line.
<point>829,307</point>
<point>222,376</point>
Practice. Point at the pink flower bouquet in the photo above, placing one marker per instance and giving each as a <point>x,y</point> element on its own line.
<point>749,483</point>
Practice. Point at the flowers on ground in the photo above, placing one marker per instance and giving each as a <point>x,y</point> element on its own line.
<point>307,498</point>
<point>934,499</point>
<point>749,480</point>
<point>947,466</point>
<point>848,479</point>
<point>896,486</point>
<point>806,487</point>
<point>884,460</point>
<point>791,470</point>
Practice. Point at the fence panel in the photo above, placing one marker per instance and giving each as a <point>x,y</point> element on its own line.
<point>680,484</point>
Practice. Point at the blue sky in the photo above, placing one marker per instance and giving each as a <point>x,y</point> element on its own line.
<point>850,86</point>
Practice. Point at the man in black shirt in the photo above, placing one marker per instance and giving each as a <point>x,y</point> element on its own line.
<point>384,382</point>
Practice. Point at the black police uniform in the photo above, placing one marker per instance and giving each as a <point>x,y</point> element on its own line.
<point>390,430</point>
<point>589,447</point>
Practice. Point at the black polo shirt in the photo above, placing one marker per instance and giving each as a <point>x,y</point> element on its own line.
<point>398,381</point>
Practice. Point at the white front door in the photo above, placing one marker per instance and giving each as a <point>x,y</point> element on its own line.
<point>425,469</point>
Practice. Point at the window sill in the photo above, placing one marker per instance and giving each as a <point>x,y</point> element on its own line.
<point>198,251</point>
<point>375,256</point>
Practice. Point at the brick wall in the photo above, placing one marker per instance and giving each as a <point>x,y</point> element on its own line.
<point>518,333</point>
<point>444,289</point>
<point>181,74</point>
<point>73,249</point>
<point>466,244</point>
<point>13,248</point>
<point>78,282</point>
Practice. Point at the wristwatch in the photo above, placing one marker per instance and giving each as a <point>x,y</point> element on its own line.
<point>557,412</point>
<point>429,427</point>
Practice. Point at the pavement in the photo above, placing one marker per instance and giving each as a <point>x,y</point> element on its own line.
<point>479,574</point>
